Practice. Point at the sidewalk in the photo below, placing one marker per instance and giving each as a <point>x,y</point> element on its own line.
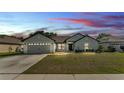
<point>70,77</point>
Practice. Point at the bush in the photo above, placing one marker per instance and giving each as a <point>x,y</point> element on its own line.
<point>87,50</point>
<point>78,51</point>
<point>110,49</point>
<point>100,49</point>
<point>122,47</point>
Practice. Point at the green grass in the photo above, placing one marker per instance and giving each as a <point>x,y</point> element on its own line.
<point>79,63</point>
<point>5,54</point>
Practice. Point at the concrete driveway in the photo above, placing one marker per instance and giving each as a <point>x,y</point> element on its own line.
<point>11,67</point>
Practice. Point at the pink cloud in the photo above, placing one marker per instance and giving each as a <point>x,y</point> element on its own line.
<point>87,22</point>
<point>92,23</point>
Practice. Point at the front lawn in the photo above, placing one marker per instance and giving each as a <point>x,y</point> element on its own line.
<point>80,63</point>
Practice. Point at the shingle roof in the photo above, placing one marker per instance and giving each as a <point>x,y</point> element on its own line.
<point>60,39</point>
<point>87,36</point>
<point>36,34</point>
<point>4,39</point>
<point>75,39</point>
<point>112,39</point>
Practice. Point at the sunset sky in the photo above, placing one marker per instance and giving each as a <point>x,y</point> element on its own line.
<point>62,22</point>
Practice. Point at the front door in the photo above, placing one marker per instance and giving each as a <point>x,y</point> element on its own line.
<point>70,46</point>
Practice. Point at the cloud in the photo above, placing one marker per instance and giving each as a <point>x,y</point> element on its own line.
<point>86,22</point>
<point>68,28</point>
<point>93,23</point>
<point>114,17</point>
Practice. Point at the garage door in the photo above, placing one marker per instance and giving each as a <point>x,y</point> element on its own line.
<point>38,49</point>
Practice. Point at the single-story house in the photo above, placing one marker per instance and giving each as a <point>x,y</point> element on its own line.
<point>39,43</point>
<point>113,41</point>
<point>9,43</point>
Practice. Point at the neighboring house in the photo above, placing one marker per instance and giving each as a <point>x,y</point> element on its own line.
<point>8,43</point>
<point>38,43</point>
<point>115,42</point>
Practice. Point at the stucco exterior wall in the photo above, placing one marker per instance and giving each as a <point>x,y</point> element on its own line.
<point>92,44</point>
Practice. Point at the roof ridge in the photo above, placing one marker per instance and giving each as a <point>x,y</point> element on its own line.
<point>39,32</point>
<point>86,36</point>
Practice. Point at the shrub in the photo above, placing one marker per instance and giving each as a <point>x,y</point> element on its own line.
<point>110,49</point>
<point>100,49</point>
<point>78,51</point>
<point>122,47</point>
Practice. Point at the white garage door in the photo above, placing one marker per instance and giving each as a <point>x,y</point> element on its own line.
<point>38,49</point>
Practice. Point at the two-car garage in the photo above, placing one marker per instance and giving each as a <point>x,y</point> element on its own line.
<point>38,44</point>
<point>38,49</point>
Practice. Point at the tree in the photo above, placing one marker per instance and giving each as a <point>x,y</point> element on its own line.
<point>48,34</point>
<point>102,35</point>
<point>122,47</point>
<point>100,49</point>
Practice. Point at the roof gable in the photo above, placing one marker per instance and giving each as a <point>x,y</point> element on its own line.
<point>74,37</point>
<point>86,36</point>
<point>60,39</point>
<point>39,35</point>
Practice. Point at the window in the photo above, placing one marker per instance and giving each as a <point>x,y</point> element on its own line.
<point>86,46</point>
<point>37,43</point>
<point>61,46</point>
<point>31,44</point>
<point>34,43</point>
<point>48,43</point>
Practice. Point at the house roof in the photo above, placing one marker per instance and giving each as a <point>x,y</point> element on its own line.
<point>112,39</point>
<point>87,36</point>
<point>75,35</point>
<point>4,39</point>
<point>60,39</point>
<point>36,34</point>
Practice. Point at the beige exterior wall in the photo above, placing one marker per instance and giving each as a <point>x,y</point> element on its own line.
<point>5,47</point>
